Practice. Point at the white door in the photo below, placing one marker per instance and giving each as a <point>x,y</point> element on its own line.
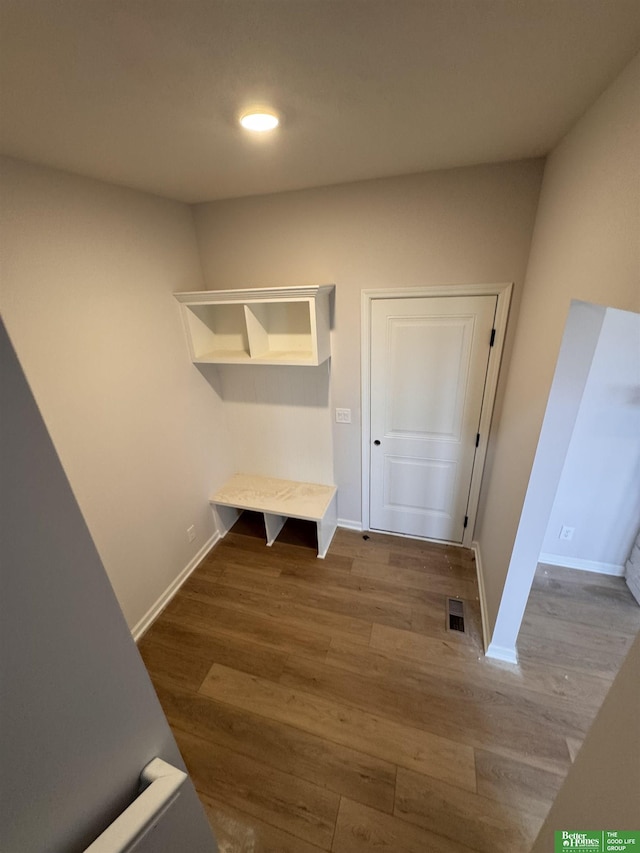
<point>79,716</point>
<point>429,358</point>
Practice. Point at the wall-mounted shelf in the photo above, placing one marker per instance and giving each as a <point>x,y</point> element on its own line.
<point>283,325</point>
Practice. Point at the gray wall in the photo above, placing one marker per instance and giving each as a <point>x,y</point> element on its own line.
<point>88,273</point>
<point>80,718</point>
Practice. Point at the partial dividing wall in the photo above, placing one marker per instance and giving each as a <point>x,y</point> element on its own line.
<point>88,273</point>
<point>599,491</point>
<point>579,342</point>
<point>585,247</point>
<point>464,226</point>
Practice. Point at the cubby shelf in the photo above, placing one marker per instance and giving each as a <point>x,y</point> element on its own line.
<point>283,325</point>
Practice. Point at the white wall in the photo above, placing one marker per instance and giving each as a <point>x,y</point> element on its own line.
<point>585,246</point>
<point>599,490</point>
<point>278,420</point>
<point>88,273</point>
<point>462,226</point>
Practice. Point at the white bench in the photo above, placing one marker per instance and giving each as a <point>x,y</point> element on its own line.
<point>277,500</point>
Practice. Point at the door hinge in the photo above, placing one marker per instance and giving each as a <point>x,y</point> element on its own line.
<point>477,439</point>
<point>466,521</point>
<point>493,337</point>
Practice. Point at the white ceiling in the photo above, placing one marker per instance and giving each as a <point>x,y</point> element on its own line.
<point>146,93</point>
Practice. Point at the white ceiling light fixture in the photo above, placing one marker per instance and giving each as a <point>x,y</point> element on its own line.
<point>259,120</point>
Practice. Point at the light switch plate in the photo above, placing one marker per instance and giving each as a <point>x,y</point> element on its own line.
<point>343,416</point>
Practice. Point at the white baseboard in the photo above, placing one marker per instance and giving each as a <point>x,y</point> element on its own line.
<point>484,614</point>
<point>350,525</point>
<point>156,609</point>
<point>583,565</point>
<point>502,653</point>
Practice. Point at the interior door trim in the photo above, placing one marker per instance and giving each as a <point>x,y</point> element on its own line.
<point>503,292</point>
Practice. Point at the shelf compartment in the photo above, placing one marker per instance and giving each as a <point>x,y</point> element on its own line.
<point>277,325</point>
<point>217,332</point>
<point>280,330</point>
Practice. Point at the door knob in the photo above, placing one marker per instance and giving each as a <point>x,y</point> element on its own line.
<point>377,442</point>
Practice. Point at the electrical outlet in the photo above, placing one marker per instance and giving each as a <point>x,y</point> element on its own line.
<point>566,533</point>
<point>343,416</point>
<point>191,533</point>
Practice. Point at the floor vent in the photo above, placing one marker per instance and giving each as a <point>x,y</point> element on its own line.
<point>455,615</point>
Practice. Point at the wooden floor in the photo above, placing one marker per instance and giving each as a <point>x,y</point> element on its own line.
<point>323,705</point>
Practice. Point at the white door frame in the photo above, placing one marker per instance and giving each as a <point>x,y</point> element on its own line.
<point>503,292</point>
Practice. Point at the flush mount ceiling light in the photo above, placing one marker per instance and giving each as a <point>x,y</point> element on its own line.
<point>259,121</point>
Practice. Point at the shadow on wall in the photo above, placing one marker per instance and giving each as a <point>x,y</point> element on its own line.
<point>277,418</point>
<point>270,385</point>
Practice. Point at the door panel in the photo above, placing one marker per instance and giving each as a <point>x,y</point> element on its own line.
<point>437,353</point>
<point>422,485</point>
<point>429,358</point>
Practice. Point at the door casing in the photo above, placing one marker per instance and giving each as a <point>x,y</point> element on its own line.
<point>503,292</point>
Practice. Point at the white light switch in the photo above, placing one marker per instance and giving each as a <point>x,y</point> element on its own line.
<point>343,416</point>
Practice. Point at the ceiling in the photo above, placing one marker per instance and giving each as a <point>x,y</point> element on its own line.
<point>146,93</point>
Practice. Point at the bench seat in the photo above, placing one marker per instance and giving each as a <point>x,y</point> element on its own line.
<point>277,500</point>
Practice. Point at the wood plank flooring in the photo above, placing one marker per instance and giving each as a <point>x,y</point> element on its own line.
<point>324,705</point>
